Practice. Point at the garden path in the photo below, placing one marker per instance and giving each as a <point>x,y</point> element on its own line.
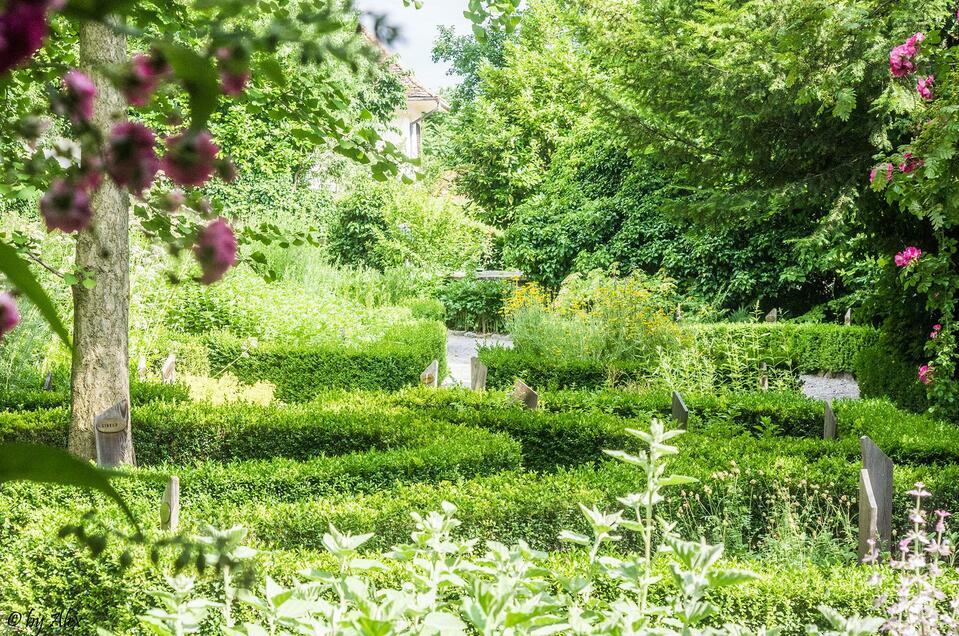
<point>461,347</point>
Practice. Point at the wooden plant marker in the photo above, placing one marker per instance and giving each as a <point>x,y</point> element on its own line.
<point>48,381</point>
<point>112,431</point>
<point>678,316</point>
<point>525,395</point>
<point>680,412</point>
<point>478,373</point>
<point>142,369</point>
<point>830,424</point>
<point>868,516</point>
<point>168,370</point>
<point>773,315</point>
<point>848,318</point>
<point>880,468</point>
<point>170,505</point>
<point>431,376</point>
<point>764,378</point>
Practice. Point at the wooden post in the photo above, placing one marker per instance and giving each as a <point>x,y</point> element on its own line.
<point>478,373</point>
<point>142,369</point>
<point>170,505</point>
<point>168,370</point>
<point>868,516</point>
<point>830,424</point>
<point>431,376</point>
<point>48,381</point>
<point>680,412</point>
<point>764,377</point>
<point>112,431</point>
<point>525,395</point>
<point>773,315</point>
<point>880,468</point>
<point>678,315</point>
<point>848,318</point>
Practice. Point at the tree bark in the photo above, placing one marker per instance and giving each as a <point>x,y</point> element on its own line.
<point>100,374</point>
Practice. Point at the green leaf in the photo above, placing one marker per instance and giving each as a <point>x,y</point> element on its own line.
<point>272,69</point>
<point>15,268</point>
<point>198,76</point>
<point>45,464</point>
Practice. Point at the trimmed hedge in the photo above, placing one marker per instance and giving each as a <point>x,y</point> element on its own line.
<point>881,373</point>
<point>803,348</point>
<point>300,373</point>
<point>140,393</point>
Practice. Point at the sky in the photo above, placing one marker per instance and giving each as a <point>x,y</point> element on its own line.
<point>418,29</point>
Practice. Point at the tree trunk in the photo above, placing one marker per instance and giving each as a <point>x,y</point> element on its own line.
<point>100,375</point>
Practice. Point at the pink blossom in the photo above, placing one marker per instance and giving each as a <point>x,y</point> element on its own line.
<point>9,314</point>
<point>66,207</point>
<point>77,104</point>
<point>909,163</point>
<point>907,256</point>
<point>924,86</point>
<point>901,61</point>
<point>935,331</point>
<point>23,25</point>
<point>925,374</point>
<point>142,78</point>
<point>91,171</point>
<point>172,200</point>
<point>887,167</point>
<point>233,83</point>
<point>191,158</point>
<point>941,523</point>
<point>131,157</point>
<point>215,249</point>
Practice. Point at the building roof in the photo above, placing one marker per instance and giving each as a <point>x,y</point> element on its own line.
<point>416,91</point>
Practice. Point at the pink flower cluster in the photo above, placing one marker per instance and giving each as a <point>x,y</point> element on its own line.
<point>76,103</point>
<point>9,314</point>
<point>907,256</point>
<point>910,163</point>
<point>925,374</point>
<point>901,62</point>
<point>924,86</point>
<point>935,331</point>
<point>142,78</point>
<point>66,207</point>
<point>215,249</point>
<point>23,26</point>
<point>234,69</point>
<point>131,157</point>
<point>191,158</point>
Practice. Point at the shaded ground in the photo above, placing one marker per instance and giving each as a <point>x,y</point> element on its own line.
<point>461,347</point>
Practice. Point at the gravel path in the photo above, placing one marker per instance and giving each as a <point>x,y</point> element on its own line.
<point>823,388</point>
<point>461,347</point>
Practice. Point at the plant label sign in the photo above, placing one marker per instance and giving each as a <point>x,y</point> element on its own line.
<point>764,377</point>
<point>48,381</point>
<point>112,431</point>
<point>142,369</point>
<point>478,373</point>
<point>170,505</point>
<point>525,395</point>
<point>847,320</point>
<point>773,315</point>
<point>431,376</point>
<point>880,468</point>
<point>829,422</point>
<point>868,516</point>
<point>168,370</point>
<point>680,412</point>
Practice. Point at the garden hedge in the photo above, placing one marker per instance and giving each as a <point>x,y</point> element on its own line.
<point>140,393</point>
<point>881,373</point>
<point>301,372</point>
<point>801,348</point>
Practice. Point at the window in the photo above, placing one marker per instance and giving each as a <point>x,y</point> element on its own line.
<point>416,139</point>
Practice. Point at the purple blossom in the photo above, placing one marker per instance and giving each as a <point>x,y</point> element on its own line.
<point>215,249</point>
<point>909,163</point>
<point>131,157</point>
<point>935,331</point>
<point>66,207</point>
<point>234,71</point>
<point>142,78</point>
<point>925,375</point>
<point>9,314</point>
<point>901,62</point>
<point>924,86</point>
<point>886,167</point>
<point>190,159</point>
<point>23,25</point>
<point>77,104</point>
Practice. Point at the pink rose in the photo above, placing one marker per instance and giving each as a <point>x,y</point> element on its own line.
<point>925,374</point>
<point>215,249</point>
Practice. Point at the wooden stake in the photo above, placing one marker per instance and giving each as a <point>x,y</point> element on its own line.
<point>525,395</point>
<point>431,376</point>
<point>868,516</point>
<point>48,381</point>
<point>478,373</point>
<point>880,468</point>
<point>170,506</point>
<point>142,369</point>
<point>112,431</point>
<point>830,425</point>
<point>680,412</point>
<point>168,371</point>
<point>772,316</point>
